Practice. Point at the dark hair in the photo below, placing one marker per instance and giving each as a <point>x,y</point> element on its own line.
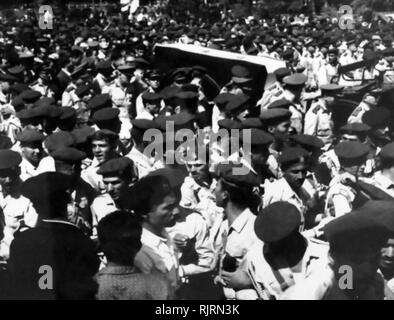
<point>148,192</point>
<point>119,235</point>
<point>99,135</point>
<point>240,195</point>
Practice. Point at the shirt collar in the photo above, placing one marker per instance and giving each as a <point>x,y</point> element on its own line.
<point>240,222</point>
<point>150,239</point>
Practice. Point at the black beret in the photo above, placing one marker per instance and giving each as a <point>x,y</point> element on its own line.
<point>144,124</point>
<point>106,114</point>
<point>331,88</point>
<point>49,111</point>
<point>44,101</point>
<point>229,124</point>
<point>307,141</point>
<point>237,102</point>
<point>275,115</point>
<point>257,137</point>
<point>82,90</point>
<point>387,152</point>
<point>249,123</point>
<point>280,103</point>
<point>355,128</point>
<point>99,101</point>
<point>296,79</point>
<point>67,113</point>
<point>349,150</point>
<point>116,166</point>
<point>151,96</point>
<point>30,135</point>
<point>175,177</point>
<point>103,65</point>
<point>277,221</point>
<point>30,96</point>
<point>7,77</point>
<point>9,159</point>
<point>17,70</point>
<point>282,72</point>
<point>291,155</point>
<point>58,140</point>
<point>237,174</point>
<point>67,154</point>
<point>223,98</point>
<point>18,87</point>
<point>81,135</point>
<point>5,142</point>
<point>47,186</point>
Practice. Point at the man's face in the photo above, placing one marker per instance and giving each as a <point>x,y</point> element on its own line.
<point>220,198</point>
<point>332,58</point>
<point>9,179</point>
<point>101,150</point>
<point>259,155</point>
<point>154,83</point>
<point>32,151</point>
<point>153,108</point>
<point>382,133</point>
<point>115,186</point>
<point>356,170</point>
<point>164,214</point>
<point>387,256</point>
<point>5,86</point>
<point>295,175</point>
<point>199,172</point>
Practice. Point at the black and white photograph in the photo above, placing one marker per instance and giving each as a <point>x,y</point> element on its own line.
<point>217,151</point>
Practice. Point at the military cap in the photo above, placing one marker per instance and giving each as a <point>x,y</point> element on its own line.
<point>5,142</point>
<point>151,97</point>
<point>82,90</point>
<point>144,124</point>
<point>106,114</point>
<point>19,87</point>
<point>280,103</point>
<point>187,95</point>
<point>141,63</point>
<point>249,123</point>
<point>237,174</point>
<point>116,166</point>
<point>9,159</point>
<point>77,49</point>
<point>30,135</point>
<point>175,177</point>
<point>292,155</point>
<point>237,102</point>
<point>331,88</point>
<point>7,77</point>
<point>333,51</point>
<point>229,124</point>
<point>17,70</point>
<point>44,101</point>
<point>275,115</point>
<point>240,74</point>
<point>288,54</point>
<point>182,120</point>
<point>387,152</point>
<point>282,72</point>
<point>257,137</point>
<point>180,74</point>
<point>377,117</point>
<point>153,74</point>
<point>103,65</point>
<point>67,113</point>
<point>69,155</point>
<point>307,141</point>
<point>277,221</point>
<point>351,150</point>
<point>362,231</point>
<point>30,96</point>
<point>99,101</point>
<point>169,92</point>
<point>26,114</point>
<point>296,79</point>
<point>48,111</point>
<point>355,128</point>
<point>58,140</point>
<point>222,99</point>
<point>46,187</point>
<point>81,135</point>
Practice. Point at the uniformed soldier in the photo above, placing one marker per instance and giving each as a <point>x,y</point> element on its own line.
<point>328,72</point>
<point>341,195</point>
<point>68,161</point>
<point>379,121</point>
<point>17,210</point>
<point>355,241</point>
<point>386,267</point>
<point>152,105</point>
<point>101,80</point>
<point>282,257</point>
<point>293,162</point>
<point>103,147</point>
<point>235,237</point>
<point>118,176</point>
<point>32,152</point>
<point>143,163</point>
<point>275,90</point>
<point>318,119</point>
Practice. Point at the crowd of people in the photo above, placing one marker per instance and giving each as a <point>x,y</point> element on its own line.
<point>302,209</point>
